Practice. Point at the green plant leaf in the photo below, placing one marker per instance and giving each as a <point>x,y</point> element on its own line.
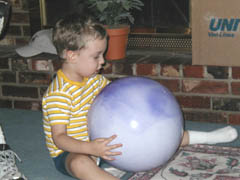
<point>102,18</point>
<point>131,19</point>
<point>138,2</point>
<point>102,5</point>
<point>126,5</point>
<point>115,12</point>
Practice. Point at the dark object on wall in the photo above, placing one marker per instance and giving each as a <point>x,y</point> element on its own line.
<point>4,16</point>
<point>163,16</point>
<point>171,16</point>
<point>45,13</point>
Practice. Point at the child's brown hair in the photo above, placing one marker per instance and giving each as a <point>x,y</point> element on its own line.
<point>74,31</point>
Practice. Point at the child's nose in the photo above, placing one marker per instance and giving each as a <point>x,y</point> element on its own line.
<point>101,62</point>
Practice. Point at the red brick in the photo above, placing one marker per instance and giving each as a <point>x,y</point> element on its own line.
<point>31,105</point>
<point>194,102</point>
<point>236,72</point>
<point>41,65</point>
<point>21,41</point>
<point>26,30</point>
<point>16,3</point>
<point>56,65</point>
<point>217,72</point>
<point>234,119</point>
<point>5,103</point>
<point>193,71</point>
<point>170,71</point>
<point>4,64</point>
<point>8,76</point>
<point>34,78</point>
<point>42,91</point>
<point>20,65</point>
<point>146,69</point>
<point>211,117</point>
<point>15,31</point>
<point>8,40</point>
<point>171,84</point>
<point>107,69</point>
<point>205,87</point>
<point>225,104</point>
<point>235,87</point>
<point>15,91</point>
<point>20,18</point>
<point>123,69</point>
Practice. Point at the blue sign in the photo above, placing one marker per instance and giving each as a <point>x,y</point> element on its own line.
<point>223,27</point>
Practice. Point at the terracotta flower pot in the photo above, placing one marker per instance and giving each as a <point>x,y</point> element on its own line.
<point>117,43</point>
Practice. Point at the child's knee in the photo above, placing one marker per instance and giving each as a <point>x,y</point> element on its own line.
<point>77,163</point>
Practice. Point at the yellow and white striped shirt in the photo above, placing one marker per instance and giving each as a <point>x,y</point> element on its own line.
<point>67,102</point>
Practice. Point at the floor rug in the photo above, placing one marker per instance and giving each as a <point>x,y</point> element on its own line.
<point>198,162</point>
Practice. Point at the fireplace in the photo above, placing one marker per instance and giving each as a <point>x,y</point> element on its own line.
<point>163,16</point>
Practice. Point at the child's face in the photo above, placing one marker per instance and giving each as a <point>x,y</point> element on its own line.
<point>89,60</point>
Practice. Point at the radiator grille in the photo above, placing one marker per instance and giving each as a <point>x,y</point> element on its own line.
<point>167,41</point>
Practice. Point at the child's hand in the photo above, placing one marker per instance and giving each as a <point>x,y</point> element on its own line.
<point>101,148</point>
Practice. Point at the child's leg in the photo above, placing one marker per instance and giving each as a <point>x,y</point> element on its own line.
<point>222,135</point>
<point>84,167</point>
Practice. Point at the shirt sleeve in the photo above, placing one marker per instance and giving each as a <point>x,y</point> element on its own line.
<point>103,81</point>
<point>57,108</point>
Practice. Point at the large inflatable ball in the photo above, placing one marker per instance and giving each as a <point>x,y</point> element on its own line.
<point>146,118</point>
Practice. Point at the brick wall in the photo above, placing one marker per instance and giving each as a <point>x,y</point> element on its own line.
<point>205,93</point>
<point>18,31</point>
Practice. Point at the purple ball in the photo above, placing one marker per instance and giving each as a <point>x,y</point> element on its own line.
<point>146,118</point>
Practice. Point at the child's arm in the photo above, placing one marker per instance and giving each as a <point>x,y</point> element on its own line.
<point>99,147</point>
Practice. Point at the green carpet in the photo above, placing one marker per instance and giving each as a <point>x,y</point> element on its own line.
<point>24,133</point>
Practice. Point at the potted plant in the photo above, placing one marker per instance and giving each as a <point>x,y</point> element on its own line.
<point>116,15</point>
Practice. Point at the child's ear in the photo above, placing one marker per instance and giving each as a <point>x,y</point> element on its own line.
<point>70,56</point>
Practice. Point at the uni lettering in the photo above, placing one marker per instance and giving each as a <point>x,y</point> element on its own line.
<point>224,24</point>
